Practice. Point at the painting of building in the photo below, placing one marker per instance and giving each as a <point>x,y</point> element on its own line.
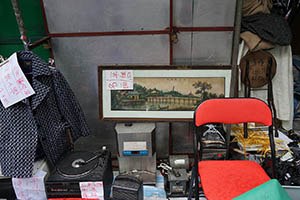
<point>167,94</point>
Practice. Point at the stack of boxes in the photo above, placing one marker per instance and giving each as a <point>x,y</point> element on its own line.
<point>136,150</point>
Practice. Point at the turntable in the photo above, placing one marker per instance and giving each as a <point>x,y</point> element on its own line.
<point>76,167</point>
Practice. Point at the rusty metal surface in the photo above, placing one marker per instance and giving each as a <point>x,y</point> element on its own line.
<point>20,23</point>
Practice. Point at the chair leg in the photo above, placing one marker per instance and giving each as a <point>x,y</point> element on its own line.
<point>196,164</point>
<point>273,155</point>
<point>228,130</point>
<point>191,183</point>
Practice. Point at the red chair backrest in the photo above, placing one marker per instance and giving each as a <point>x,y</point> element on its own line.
<point>233,111</point>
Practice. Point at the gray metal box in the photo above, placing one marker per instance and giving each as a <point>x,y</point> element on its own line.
<point>136,139</point>
<point>177,184</point>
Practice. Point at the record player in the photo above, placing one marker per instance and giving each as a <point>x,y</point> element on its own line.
<point>76,167</point>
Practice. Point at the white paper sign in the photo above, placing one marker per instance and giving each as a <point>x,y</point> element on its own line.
<point>119,79</point>
<point>30,188</point>
<point>134,146</point>
<point>14,86</point>
<point>92,190</point>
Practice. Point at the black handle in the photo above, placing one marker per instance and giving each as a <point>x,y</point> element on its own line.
<point>129,178</point>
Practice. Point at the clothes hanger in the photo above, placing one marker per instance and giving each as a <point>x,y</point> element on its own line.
<point>2,61</point>
<point>25,42</point>
<point>51,63</point>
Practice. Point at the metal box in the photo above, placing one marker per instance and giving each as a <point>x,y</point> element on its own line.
<point>177,184</point>
<point>135,139</point>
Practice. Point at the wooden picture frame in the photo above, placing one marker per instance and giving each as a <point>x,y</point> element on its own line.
<point>161,93</point>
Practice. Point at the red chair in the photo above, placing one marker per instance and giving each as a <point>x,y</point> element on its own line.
<point>227,179</point>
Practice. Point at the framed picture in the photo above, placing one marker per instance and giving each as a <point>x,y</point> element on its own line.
<point>158,93</point>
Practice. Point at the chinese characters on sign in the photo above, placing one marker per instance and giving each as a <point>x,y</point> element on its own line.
<point>30,188</point>
<point>92,190</point>
<point>14,86</point>
<point>119,79</point>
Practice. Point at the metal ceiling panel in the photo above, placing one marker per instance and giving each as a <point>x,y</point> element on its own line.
<point>78,58</point>
<point>211,13</point>
<point>106,15</point>
<point>212,48</point>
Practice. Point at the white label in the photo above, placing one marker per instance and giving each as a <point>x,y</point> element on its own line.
<point>92,190</point>
<point>119,79</point>
<point>179,162</point>
<point>135,146</point>
<point>30,188</point>
<point>14,86</point>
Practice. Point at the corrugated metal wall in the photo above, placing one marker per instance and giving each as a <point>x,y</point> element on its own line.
<point>78,57</point>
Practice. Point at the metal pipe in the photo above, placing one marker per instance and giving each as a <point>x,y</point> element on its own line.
<point>205,29</point>
<point>235,48</point>
<point>234,58</point>
<point>39,42</point>
<point>170,33</point>
<point>196,159</point>
<point>20,23</point>
<point>44,17</point>
<point>91,34</point>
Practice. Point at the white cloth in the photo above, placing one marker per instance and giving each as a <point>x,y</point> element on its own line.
<point>282,84</point>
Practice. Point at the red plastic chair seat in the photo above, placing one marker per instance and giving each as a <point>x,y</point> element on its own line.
<point>225,180</point>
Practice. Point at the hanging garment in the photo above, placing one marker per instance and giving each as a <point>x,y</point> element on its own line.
<point>287,8</point>
<point>251,7</point>
<point>42,117</point>
<point>269,27</point>
<point>282,84</point>
<point>254,42</point>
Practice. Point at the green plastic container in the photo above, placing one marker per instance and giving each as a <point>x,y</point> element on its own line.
<point>271,190</point>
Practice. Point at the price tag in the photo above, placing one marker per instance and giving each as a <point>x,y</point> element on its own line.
<point>14,86</point>
<point>92,190</point>
<point>119,79</point>
<point>30,188</point>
